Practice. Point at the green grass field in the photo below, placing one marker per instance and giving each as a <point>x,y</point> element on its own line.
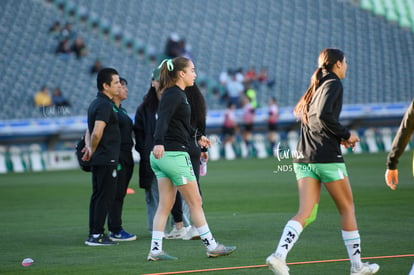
<point>44,216</point>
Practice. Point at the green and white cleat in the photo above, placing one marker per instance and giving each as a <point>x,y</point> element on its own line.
<point>162,256</point>
<point>220,250</point>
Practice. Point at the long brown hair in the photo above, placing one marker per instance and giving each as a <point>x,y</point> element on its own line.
<point>150,100</point>
<point>169,69</point>
<point>327,59</point>
<point>198,107</point>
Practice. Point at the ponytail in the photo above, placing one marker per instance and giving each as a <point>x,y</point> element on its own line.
<point>169,69</point>
<point>326,61</point>
<point>301,108</point>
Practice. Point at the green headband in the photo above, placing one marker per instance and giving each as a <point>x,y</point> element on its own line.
<point>170,65</point>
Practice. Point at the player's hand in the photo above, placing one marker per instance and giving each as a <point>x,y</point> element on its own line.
<point>204,142</point>
<point>345,144</point>
<point>391,178</point>
<point>158,151</point>
<point>351,141</point>
<point>87,153</point>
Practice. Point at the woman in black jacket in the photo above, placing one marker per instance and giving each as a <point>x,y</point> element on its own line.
<point>171,162</point>
<point>180,210</point>
<point>318,160</point>
<point>144,127</point>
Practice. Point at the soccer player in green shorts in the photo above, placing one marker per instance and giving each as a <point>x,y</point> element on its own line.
<point>318,160</point>
<point>171,162</point>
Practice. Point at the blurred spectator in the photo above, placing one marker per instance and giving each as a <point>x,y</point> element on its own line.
<point>42,98</point>
<point>185,49</point>
<point>234,89</point>
<point>63,47</point>
<point>55,29</point>
<point>79,47</point>
<point>229,125</point>
<point>250,76</point>
<point>224,76</point>
<point>262,75</point>
<point>173,47</point>
<point>263,78</point>
<point>251,94</point>
<point>67,32</point>
<point>248,120</point>
<point>58,99</point>
<point>240,75</point>
<point>96,66</point>
<point>272,120</point>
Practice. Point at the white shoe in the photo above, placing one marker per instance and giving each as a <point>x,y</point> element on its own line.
<point>220,250</point>
<point>176,233</point>
<point>366,269</point>
<point>277,265</point>
<point>192,234</point>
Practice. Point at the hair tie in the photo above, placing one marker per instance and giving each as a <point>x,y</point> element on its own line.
<point>170,65</point>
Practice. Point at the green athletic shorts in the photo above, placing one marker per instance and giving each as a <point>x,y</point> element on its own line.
<point>175,165</point>
<point>324,172</point>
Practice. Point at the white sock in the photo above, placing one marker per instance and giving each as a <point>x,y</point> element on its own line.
<point>207,237</point>
<point>290,235</point>
<point>156,242</point>
<point>353,246</point>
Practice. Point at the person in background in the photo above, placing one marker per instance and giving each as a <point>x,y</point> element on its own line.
<point>198,124</point>
<point>63,48</point>
<point>180,209</point>
<point>319,161</point>
<point>171,162</point>
<point>248,121</point>
<point>399,143</point>
<point>79,47</point>
<point>272,122</point>
<point>96,67</point>
<point>58,99</point>
<point>144,127</point>
<point>42,98</point>
<point>125,168</point>
<point>250,92</point>
<point>234,88</point>
<point>54,30</point>
<point>230,126</point>
<point>102,144</point>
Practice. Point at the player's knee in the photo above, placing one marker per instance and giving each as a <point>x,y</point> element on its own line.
<point>312,216</point>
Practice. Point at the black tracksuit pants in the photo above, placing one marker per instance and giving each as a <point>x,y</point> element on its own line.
<point>104,179</point>
<point>126,168</point>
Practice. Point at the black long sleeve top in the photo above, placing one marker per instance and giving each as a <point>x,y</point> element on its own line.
<point>125,128</point>
<point>144,127</point>
<point>320,138</point>
<point>173,127</point>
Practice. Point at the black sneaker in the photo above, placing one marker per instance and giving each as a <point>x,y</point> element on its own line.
<point>101,240</point>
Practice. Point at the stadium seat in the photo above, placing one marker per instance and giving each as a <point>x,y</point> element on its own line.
<point>366,4</point>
